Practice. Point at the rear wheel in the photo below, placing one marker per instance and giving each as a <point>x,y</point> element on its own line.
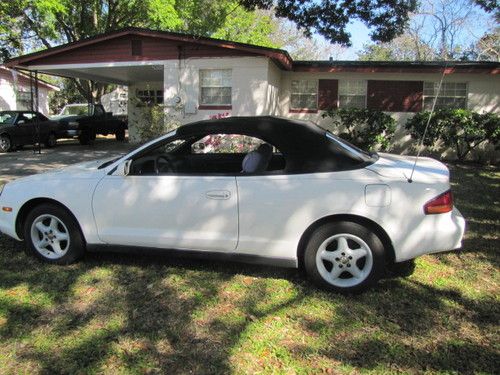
<point>53,235</point>
<point>87,137</point>
<point>51,140</point>
<point>120,135</point>
<point>344,257</point>
<point>5,143</point>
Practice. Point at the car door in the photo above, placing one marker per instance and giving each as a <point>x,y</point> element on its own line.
<point>168,211</point>
<point>24,129</point>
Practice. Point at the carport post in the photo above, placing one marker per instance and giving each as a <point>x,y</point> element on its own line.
<point>34,108</point>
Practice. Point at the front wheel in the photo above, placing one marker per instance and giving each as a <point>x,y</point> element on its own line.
<point>53,235</point>
<point>344,257</point>
<point>5,144</point>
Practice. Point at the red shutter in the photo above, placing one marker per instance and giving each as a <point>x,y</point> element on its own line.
<point>395,96</point>
<point>328,93</point>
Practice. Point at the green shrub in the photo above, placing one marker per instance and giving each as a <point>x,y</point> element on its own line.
<point>460,129</point>
<point>365,128</point>
<point>153,121</point>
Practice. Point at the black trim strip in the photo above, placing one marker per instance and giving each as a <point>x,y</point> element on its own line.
<point>208,255</point>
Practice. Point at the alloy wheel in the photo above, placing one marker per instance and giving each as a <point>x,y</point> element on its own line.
<point>4,144</point>
<point>344,260</point>
<point>50,236</point>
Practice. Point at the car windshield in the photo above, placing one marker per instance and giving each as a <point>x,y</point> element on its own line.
<point>73,110</point>
<point>7,118</point>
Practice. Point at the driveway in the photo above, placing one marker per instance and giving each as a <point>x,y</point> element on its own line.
<point>25,162</point>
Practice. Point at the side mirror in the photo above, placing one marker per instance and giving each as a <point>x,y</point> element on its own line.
<point>20,122</point>
<point>123,168</point>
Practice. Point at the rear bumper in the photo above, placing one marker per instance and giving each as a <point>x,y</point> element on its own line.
<point>434,234</point>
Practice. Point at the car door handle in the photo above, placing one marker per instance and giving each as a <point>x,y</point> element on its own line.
<point>218,194</point>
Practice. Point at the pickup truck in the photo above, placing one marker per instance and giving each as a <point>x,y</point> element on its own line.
<point>86,121</point>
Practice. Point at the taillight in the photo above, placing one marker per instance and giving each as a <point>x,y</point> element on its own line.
<point>441,204</point>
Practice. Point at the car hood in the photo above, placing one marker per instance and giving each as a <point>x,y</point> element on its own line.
<point>427,170</point>
<point>84,170</point>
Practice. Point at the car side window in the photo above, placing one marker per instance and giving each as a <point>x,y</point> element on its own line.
<point>220,154</point>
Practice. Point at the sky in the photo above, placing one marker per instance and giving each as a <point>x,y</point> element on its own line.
<point>359,37</point>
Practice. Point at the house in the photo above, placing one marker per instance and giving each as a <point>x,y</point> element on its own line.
<point>198,78</point>
<point>15,91</point>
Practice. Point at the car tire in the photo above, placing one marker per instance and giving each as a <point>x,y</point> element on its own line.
<point>120,135</point>
<point>344,257</point>
<point>51,141</point>
<point>87,137</point>
<point>52,235</point>
<point>5,143</point>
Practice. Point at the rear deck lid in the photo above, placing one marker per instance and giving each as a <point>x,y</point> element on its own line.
<point>427,170</point>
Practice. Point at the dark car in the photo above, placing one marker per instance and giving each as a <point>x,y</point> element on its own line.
<point>18,128</point>
<point>86,121</point>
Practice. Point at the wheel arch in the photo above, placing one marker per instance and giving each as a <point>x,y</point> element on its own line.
<point>32,203</point>
<point>375,227</point>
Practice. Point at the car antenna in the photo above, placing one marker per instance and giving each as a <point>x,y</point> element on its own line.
<point>421,142</point>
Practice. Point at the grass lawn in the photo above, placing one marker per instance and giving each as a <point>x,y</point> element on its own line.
<point>114,313</point>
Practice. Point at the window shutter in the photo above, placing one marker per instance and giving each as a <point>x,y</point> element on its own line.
<point>328,90</point>
<point>395,96</point>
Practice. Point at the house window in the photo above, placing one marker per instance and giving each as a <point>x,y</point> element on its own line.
<point>215,87</point>
<point>304,95</point>
<point>150,97</point>
<point>451,95</point>
<point>352,94</point>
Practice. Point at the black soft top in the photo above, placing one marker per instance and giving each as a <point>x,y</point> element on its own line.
<point>304,145</point>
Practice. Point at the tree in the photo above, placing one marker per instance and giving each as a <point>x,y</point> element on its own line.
<point>439,29</point>
<point>386,18</point>
<point>488,47</point>
<point>404,48</point>
<point>288,37</point>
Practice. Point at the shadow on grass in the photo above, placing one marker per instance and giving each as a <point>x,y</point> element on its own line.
<point>147,318</point>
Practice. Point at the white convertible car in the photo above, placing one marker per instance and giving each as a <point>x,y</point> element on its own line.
<point>257,189</point>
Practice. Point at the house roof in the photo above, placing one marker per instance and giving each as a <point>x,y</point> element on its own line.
<point>71,53</point>
<point>335,66</point>
<point>281,57</point>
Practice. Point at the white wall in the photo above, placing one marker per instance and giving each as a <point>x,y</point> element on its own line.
<point>250,95</point>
